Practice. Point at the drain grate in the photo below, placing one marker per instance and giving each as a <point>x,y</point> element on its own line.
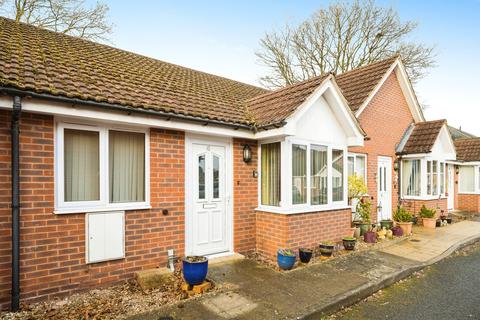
<point>415,240</point>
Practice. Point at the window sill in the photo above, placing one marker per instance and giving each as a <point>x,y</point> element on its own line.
<point>300,210</point>
<point>472,193</point>
<point>429,198</point>
<point>121,207</point>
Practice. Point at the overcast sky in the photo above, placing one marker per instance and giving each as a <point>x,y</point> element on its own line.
<point>221,37</point>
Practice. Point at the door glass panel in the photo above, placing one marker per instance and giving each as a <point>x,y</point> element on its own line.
<point>384,178</point>
<point>216,177</point>
<point>201,177</point>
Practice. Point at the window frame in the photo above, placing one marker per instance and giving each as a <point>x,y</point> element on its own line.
<point>476,180</point>
<point>65,207</point>
<point>407,196</point>
<point>354,155</point>
<point>286,205</point>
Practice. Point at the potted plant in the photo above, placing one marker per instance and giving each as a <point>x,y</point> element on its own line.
<point>397,231</point>
<point>305,254</point>
<point>364,209</point>
<point>286,259</point>
<point>370,236</point>
<point>326,248</point>
<point>194,269</point>
<point>349,243</point>
<point>428,217</point>
<point>356,190</point>
<point>403,219</point>
<point>386,223</point>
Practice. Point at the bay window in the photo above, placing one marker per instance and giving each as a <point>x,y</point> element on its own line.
<point>270,174</point>
<point>429,177</point>
<point>318,172</point>
<point>337,175</point>
<point>297,176</point>
<point>99,168</point>
<point>411,177</point>
<point>434,178</point>
<point>442,178</point>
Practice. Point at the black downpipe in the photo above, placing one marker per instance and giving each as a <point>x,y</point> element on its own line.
<point>15,133</point>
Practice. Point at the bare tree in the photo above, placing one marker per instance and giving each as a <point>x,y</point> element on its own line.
<point>340,38</point>
<point>66,16</point>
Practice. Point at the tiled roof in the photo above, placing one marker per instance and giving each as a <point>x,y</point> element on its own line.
<point>459,134</point>
<point>274,107</point>
<point>45,62</point>
<point>42,61</point>
<point>423,137</point>
<point>468,149</point>
<point>357,84</point>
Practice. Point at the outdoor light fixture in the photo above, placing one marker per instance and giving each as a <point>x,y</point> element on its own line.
<point>247,153</point>
<point>395,165</point>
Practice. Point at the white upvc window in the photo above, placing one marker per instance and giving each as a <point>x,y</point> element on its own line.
<point>357,164</point>
<point>302,176</point>
<point>468,179</point>
<point>411,177</point>
<point>101,168</point>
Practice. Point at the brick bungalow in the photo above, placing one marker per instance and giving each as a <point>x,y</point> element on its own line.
<point>108,159</point>
<point>427,155</point>
<point>468,174</point>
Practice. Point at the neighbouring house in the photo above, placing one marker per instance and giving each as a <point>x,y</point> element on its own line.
<point>427,155</point>
<point>468,174</point>
<point>110,159</point>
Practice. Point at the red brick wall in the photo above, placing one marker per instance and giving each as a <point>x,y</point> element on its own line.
<point>385,120</point>
<point>293,231</point>
<point>245,196</point>
<point>5,210</point>
<point>469,202</point>
<point>53,246</point>
<point>440,205</point>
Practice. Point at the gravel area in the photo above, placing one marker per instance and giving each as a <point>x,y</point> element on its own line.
<point>115,302</point>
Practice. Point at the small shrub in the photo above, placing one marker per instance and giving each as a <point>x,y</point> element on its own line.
<point>364,208</point>
<point>402,215</point>
<point>356,187</point>
<point>286,252</point>
<point>427,213</point>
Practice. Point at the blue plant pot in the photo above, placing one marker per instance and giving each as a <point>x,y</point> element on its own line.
<point>285,262</point>
<point>195,272</point>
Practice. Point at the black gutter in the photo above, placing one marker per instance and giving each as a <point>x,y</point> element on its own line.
<point>15,135</point>
<point>167,115</point>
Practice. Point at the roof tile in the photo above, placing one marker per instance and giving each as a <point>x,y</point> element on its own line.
<point>468,149</point>
<point>423,137</point>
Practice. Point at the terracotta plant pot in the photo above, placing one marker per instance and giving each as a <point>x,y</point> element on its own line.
<point>429,223</point>
<point>406,227</point>
<point>370,237</point>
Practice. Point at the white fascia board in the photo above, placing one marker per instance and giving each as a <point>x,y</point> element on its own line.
<point>414,155</point>
<point>335,98</point>
<point>65,110</point>
<point>406,87</point>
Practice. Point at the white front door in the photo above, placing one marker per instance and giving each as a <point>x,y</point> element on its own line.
<point>384,188</point>
<point>207,228</point>
<point>451,187</point>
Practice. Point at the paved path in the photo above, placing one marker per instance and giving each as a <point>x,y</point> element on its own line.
<point>251,291</point>
<point>447,290</point>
